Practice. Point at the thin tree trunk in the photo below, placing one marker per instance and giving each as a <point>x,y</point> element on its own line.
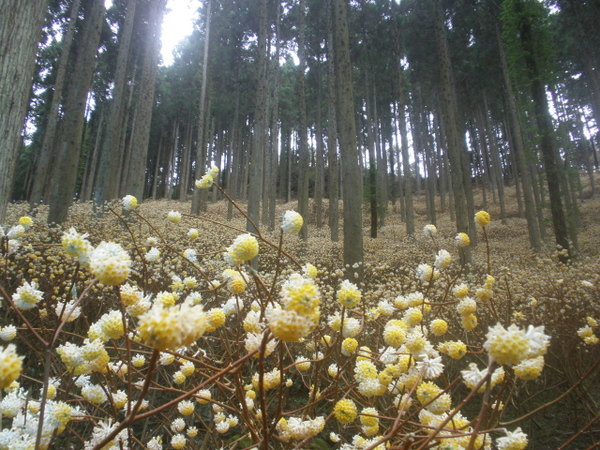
<point>198,196</point>
<point>381,186</point>
<point>155,180</point>
<point>90,170</point>
<point>304,160</point>
<point>319,163</point>
<point>372,172</point>
<point>185,166</point>
<point>406,170</point>
<point>260,123</point>
<point>333,174</point>
<point>452,129</point>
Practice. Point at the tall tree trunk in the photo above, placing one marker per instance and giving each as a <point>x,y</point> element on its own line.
<point>87,183</point>
<point>157,165</point>
<point>382,192</point>
<point>259,136</point>
<point>547,144</point>
<point>275,75</point>
<point>406,171</point>
<point>496,163</point>
<point>47,152</point>
<point>187,156</point>
<point>452,127</point>
<point>171,161</point>
<point>140,137</point>
<point>319,157</point>
<point>332,159</point>
<point>519,150</point>
<point>351,184</point>
<point>372,173</point>
<point>20,29</point>
<point>304,159</point>
<point>236,154</point>
<point>430,165</point>
<point>71,131</point>
<point>198,196</point>
<point>111,154</point>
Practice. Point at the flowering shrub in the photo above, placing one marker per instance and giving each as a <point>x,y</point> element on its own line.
<point>145,332</point>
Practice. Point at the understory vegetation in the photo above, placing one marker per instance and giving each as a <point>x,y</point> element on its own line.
<point>148,327</point>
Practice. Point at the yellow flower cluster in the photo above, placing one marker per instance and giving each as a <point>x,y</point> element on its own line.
<point>299,312</point>
<point>207,180</point>
<point>295,428</point>
<point>236,281</point>
<point>394,332</point>
<point>291,222</point>
<point>244,248</point>
<point>129,202</point>
<point>90,357</point>
<point>512,345</point>
<point>11,365</point>
<point>454,349</point>
<point>271,380</point>
<point>77,245</point>
<point>438,327</point>
<point>168,328</point>
<point>345,411</point>
<point>27,296</point>
<point>587,332</point>
<point>462,240</point>
<point>482,218</point>
<point>25,221</point>
<point>110,264</point>
<point>348,294</point>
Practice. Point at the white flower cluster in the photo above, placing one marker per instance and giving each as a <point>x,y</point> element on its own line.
<point>27,295</point>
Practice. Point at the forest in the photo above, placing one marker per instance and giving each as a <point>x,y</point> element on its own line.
<point>354,224</point>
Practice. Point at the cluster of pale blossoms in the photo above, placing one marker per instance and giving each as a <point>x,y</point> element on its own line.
<point>244,248</point>
<point>207,180</point>
<point>23,417</point>
<point>586,333</point>
<point>108,262</point>
<point>14,235</point>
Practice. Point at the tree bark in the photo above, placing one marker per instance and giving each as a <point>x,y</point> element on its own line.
<point>519,151</point>
<point>70,135</point>
<point>47,152</point>
<point>107,182</point>
<point>453,129</point>
<point>409,210</point>
<point>319,157</point>
<point>197,198</point>
<point>332,159</point>
<point>372,172</point>
<point>304,160</point>
<point>20,29</point>
<point>547,144</point>
<point>351,183</point>
<point>259,136</point>
<point>140,137</point>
